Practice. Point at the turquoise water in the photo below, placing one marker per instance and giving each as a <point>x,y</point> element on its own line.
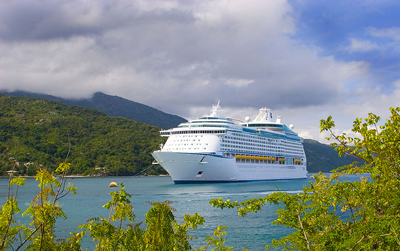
<point>253,231</point>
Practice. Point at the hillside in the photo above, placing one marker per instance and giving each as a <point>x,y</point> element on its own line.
<point>323,158</point>
<point>37,132</point>
<point>115,106</point>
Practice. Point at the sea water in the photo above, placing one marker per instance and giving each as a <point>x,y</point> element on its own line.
<point>253,231</point>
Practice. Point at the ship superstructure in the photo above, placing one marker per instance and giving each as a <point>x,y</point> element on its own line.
<point>219,149</point>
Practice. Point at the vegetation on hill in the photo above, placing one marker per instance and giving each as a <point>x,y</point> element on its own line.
<point>115,106</point>
<point>323,158</point>
<point>40,132</point>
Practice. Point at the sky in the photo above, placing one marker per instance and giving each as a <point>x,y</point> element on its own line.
<point>305,60</point>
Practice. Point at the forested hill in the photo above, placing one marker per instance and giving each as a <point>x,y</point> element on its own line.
<point>115,106</point>
<point>38,131</point>
<point>323,158</point>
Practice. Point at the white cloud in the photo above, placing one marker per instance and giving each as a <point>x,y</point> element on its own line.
<point>357,45</point>
<point>393,32</point>
<point>238,82</point>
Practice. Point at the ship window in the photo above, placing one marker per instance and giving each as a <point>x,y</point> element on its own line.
<point>200,172</point>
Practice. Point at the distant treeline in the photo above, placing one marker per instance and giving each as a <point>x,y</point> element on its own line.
<point>42,132</point>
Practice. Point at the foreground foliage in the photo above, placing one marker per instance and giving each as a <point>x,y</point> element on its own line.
<point>44,210</point>
<point>334,214</point>
<point>162,231</point>
<point>117,232</point>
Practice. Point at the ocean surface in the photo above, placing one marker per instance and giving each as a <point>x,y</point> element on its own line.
<point>252,232</point>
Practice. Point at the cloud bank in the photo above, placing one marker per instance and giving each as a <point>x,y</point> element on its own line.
<point>181,56</point>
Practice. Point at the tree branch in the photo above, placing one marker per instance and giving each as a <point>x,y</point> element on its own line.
<point>27,238</point>
<point>358,242</point>
<point>394,231</point>
<point>302,228</point>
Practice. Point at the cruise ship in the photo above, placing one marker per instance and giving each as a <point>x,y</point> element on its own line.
<point>219,149</point>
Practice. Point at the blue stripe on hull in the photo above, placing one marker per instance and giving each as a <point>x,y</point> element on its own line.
<point>228,181</point>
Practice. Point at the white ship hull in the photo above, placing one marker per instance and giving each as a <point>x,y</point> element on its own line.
<point>219,149</point>
<point>198,168</point>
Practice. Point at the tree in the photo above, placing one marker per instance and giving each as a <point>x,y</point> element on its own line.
<point>44,210</point>
<point>334,214</point>
<point>163,232</point>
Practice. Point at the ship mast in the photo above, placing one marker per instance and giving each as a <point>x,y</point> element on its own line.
<point>214,110</point>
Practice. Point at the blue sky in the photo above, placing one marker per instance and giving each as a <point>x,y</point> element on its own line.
<point>305,60</point>
<point>354,31</point>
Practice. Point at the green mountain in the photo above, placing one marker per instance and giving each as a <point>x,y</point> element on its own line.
<point>37,132</point>
<point>323,158</point>
<point>115,106</point>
